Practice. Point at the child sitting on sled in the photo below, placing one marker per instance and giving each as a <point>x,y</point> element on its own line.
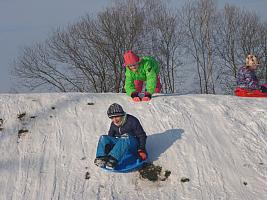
<point>125,134</point>
<point>246,77</point>
<point>138,71</point>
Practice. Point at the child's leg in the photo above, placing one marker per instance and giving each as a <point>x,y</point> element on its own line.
<point>104,142</point>
<point>158,86</point>
<point>138,85</point>
<point>123,145</point>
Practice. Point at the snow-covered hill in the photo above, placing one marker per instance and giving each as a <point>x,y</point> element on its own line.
<point>215,147</point>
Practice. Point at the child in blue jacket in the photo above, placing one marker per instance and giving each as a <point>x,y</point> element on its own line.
<point>125,134</point>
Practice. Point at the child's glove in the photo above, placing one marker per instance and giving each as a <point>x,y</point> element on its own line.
<point>147,97</point>
<point>135,96</point>
<point>142,154</point>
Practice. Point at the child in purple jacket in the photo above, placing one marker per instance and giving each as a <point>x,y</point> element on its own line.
<point>246,77</point>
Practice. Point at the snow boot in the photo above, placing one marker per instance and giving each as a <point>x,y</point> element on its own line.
<point>111,162</point>
<point>101,161</point>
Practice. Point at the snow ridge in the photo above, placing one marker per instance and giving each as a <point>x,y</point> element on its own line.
<point>214,147</point>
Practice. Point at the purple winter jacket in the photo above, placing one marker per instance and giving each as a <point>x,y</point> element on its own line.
<point>246,78</point>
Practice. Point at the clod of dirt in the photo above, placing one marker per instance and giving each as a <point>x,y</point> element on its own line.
<point>167,174</point>
<point>1,124</point>
<point>184,179</point>
<point>154,173</point>
<point>87,175</point>
<point>22,132</point>
<point>21,115</point>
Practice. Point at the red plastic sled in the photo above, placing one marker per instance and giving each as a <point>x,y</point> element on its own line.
<point>242,92</point>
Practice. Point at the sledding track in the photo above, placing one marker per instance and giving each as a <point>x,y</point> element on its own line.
<point>218,142</point>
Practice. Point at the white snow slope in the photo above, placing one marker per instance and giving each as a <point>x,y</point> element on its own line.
<point>218,142</point>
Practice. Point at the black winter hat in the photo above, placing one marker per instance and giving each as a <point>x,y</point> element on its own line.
<point>115,110</point>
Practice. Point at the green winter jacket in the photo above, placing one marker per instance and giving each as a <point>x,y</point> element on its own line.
<point>147,71</point>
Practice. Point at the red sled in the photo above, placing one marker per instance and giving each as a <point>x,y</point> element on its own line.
<point>242,92</point>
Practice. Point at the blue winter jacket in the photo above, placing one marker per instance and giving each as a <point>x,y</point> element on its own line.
<point>131,127</point>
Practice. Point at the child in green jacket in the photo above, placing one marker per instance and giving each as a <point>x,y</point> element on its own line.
<point>138,71</point>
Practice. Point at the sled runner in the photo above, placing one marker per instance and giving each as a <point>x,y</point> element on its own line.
<point>242,92</point>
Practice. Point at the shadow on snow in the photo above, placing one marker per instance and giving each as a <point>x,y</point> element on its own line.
<point>160,142</point>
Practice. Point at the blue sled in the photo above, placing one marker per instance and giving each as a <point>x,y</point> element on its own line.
<point>128,163</point>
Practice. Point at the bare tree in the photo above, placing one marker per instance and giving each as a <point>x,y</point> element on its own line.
<point>239,33</point>
<point>36,69</point>
<point>88,54</point>
<point>228,46</point>
<point>263,54</point>
<point>199,25</point>
<point>166,40</point>
<point>260,46</point>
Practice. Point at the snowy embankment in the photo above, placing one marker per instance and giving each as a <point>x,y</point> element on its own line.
<point>214,146</point>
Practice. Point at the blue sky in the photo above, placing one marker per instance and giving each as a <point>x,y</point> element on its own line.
<point>22,23</point>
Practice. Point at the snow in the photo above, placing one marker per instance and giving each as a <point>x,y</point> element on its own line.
<point>217,142</point>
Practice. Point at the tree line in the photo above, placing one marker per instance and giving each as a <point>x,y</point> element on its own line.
<point>196,43</point>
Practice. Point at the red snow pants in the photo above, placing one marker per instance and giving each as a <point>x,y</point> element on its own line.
<point>139,85</point>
